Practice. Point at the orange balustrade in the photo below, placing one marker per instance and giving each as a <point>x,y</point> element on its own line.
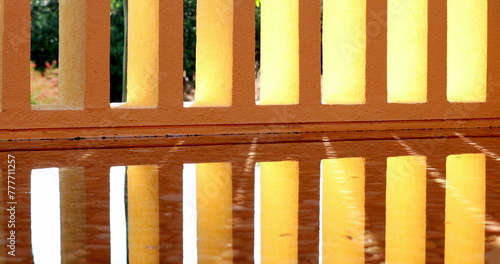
<point>385,73</point>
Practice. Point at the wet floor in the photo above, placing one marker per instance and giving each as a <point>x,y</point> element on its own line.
<point>317,198</point>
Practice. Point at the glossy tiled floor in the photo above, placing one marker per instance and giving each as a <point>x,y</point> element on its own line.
<point>364,197</point>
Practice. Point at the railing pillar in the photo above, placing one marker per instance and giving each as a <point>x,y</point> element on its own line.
<point>170,54</point>
<point>279,83</point>
<point>214,52</point>
<point>16,56</point>
<point>143,47</point>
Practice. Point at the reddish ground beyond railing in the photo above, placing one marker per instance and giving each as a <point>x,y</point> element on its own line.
<point>383,61</point>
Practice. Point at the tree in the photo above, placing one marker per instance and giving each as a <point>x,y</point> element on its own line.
<point>44,32</point>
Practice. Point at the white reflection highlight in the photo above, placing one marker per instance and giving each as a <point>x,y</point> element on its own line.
<point>189,215</point>
<point>45,216</point>
<point>117,215</point>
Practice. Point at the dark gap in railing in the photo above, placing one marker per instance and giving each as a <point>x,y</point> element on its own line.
<point>189,50</point>
<point>44,54</point>
<point>257,49</point>
<point>118,51</point>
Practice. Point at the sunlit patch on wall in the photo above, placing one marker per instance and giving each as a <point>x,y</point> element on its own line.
<point>344,52</point>
<point>467,50</point>
<point>407,53</point>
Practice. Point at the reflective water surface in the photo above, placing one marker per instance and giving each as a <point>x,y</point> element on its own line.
<point>397,198</point>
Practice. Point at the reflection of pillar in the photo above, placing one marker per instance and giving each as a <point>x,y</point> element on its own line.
<point>73,216</point>
<point>214,207</point>
<point>343,209</point>
<point>142,61</point>
<point>142,214</point>
<point>170,212</point>
<point>465,208</point>
<point>97,210</point>
<point>405,209</point>
<point>279,211</point>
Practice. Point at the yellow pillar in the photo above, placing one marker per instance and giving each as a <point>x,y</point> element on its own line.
<point>343,210</point>
<point>279,83</point>
<point>143,216</point>
<point>143,48</point>
<point>73,214</point>
<point>344,52</point>
<point>465,208</point>
<point>467,50</point>
<point>407,52</point>
<point>405,209</point>
<point>214,52</point>
<point>279,211</point>
<point>72,38</point>
<point>214,202</point>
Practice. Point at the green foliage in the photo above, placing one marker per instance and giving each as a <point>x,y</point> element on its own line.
<point>117,45</point>
<point>189,37</point>
<point>44,32</point>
